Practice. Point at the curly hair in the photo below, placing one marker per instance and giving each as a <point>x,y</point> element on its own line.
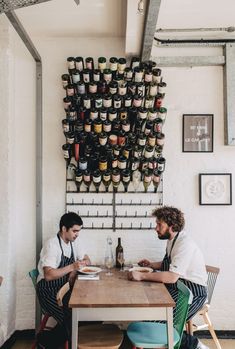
<point>171,216</point>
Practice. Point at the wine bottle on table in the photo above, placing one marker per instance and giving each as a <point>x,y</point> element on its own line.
<point>119,249</point>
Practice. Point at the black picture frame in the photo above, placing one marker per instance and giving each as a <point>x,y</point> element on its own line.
<point>198,133</point>
<point>215,188</point>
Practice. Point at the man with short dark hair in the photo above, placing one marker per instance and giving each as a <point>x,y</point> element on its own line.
<point>60,259</point>
<point>183,260</point>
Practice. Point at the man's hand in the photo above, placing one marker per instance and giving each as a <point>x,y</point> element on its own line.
<point>144,263</point>
<point>135,276</point>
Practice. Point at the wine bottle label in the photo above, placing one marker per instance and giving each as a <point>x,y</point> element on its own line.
<point>160,167</point>
<point>141,141</point>
<point>122,164</point>
<point>87,178</point>
<point>66,127</point>
<point>122,90</point>
<point>103,166</point>
<point>117,104</point>
<point>161,89</point>
<point>107,127</point>
<point>106,178</point>
<point>126,179</point>
<point>98,103</point>
<point>79,65</point>
<point>153,90</point>
<point>81,89</point>
<point>156,179</point>
<point>148,77</point>
<point>96,77</point>
<point>70,91</point>
<point>82,165</point>
<point>78,178</point>
<point>103,141</point>
<point>71,64</point>
<point>86,77</point>
<point>138,76</point>
<point>65,83</point>
<point>93,88</point>
<point>88,127</point>
<point>70,140</point>
<point>103,117</point>
<point>116,178</point>
<point>147,179</point>
<point>102,65</point>
<point>121,67</point>
<point>141,90</point>
<point>114,163</point>
<point>113,90</point>
<point>157,79</point>
<point>66,154</point>
<point>128,103</point>
<point>126,127</point>
<point>135,64</point>
<point>152,116</point>
<point>160,141</point>
<point>98,128</point>
<point>97,179</point>
<point>137,102</point>
<point>107,103</point>
<point>152,141</point>
<point>89,65</point>
<point>148,153</point>
<point>142,115</point>
<point>113,139</point>
<point>112,116</point>
<point>113,66</point>
<point>108,77</point>
<point>87,103</point>
<point>76,78</point>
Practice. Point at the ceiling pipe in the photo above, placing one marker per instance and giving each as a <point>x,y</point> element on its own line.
<point>181,30</point>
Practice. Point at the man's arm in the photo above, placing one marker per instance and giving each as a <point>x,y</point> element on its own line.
<point>166,277</point>
<point>53,274</point>
<point>147,263</point>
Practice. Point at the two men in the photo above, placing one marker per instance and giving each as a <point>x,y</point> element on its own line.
<point>60,259</point>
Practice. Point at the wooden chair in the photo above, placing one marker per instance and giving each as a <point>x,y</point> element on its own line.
<point>154,334</point>
<point>95,336</point>
<point>212,273</point>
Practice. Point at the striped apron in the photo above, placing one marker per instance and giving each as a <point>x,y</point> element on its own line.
<point>199,292</point>
<point>47,291</point>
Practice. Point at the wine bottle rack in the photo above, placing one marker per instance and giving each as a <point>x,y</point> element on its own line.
<point>114,211</point>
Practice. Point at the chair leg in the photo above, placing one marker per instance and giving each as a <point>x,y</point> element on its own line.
<point>211,329</point>
<point>43,322</point>
<point>189,327</point>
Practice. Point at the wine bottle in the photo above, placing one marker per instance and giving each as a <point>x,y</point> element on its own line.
<point>119,248</point>
<point>115,179</point>
<point>156,179</point>
<point>147,179</point>
<point>126,178</point>
<point>107,179</point>
<point>87,179</point>
<point>78,179</point>
<point>97,180</point>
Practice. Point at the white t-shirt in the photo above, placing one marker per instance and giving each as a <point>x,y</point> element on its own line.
<point>50,255</point>
<point>187,259</point>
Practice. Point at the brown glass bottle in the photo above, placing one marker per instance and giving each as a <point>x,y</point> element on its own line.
<point>119,248</point>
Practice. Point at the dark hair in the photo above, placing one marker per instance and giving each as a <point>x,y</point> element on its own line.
<point>171,216</point>
<point>68,220</point>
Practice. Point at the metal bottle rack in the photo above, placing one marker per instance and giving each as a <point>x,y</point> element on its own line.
<point>114,211</point>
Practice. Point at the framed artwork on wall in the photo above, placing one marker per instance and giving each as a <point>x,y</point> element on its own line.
<point>198,133</point>
<point>215,189</point>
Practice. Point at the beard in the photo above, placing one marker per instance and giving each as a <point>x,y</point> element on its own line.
<point>165,236</point>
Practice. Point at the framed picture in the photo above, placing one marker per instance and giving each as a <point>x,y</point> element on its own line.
<point>198,133</point>
<point>215,189</point>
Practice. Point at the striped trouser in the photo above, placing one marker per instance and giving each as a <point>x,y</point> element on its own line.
<point>196,305</point>
<point>48,302</point>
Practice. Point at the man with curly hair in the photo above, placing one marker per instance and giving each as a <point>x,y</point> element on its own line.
<point>183,260</point>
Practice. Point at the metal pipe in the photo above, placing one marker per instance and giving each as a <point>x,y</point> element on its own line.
<point>194,41</point>
<point>181,30</point>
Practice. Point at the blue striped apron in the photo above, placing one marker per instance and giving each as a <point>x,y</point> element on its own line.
<point>199,292</point>
<point>47,291</point>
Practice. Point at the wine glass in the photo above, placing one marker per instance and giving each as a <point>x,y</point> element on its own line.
<point>121,260</point>
<point>109,262</point>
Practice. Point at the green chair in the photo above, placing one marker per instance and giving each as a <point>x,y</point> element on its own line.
<point>43,324</point>
<point>154,334</point>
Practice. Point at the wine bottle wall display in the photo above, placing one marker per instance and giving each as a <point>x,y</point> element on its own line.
<point>113,123</point>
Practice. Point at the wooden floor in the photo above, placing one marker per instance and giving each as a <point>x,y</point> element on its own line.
<point>225,344</point>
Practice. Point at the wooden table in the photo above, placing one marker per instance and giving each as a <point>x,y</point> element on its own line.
<point>114,298</point>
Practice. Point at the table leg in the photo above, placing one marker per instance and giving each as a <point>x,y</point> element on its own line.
<point>169,317</point>
<point>74,328</point>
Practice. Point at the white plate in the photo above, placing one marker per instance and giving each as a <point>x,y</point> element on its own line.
<point>142,269</point>
<point>88,270</point>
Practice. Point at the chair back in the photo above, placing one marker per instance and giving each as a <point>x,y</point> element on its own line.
<point>33,275</point>
<point>212,274</point>
<point>184,299</point>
